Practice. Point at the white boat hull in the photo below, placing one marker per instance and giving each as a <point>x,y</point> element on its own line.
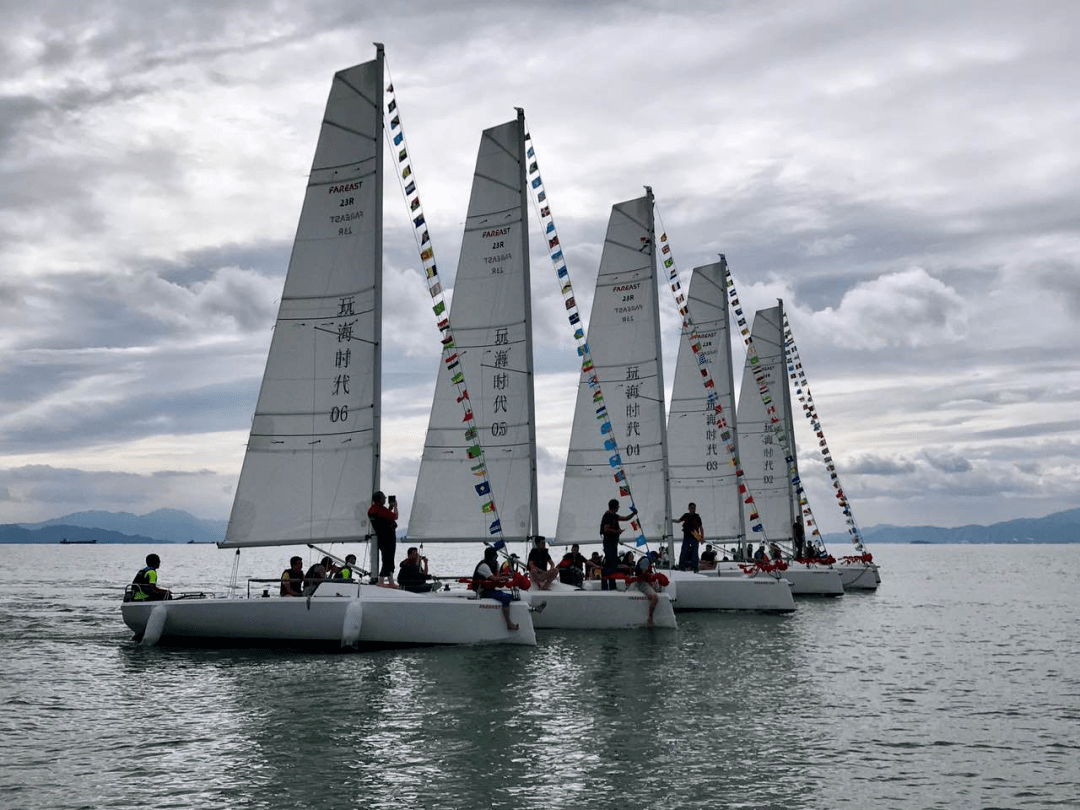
<point>568,608</point>
<point>334,615</point>
<point>859,576</point>
<point>806,580</point>
<point>705,592</point>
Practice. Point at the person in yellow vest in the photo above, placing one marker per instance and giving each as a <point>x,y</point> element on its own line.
<point>348,571</point>
<point>145,587</point>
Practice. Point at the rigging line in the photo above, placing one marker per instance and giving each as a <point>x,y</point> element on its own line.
<point>727,436</point>
<point>538,194</point>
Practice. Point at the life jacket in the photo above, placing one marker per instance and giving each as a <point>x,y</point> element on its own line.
<point>478,578</point>
<point>147,576</point>
<point>345,572</point>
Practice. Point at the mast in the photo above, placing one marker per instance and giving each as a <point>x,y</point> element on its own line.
<point>664,538</point>
<point>534,498</point>
<point>376,413</point>
<point>789,424</point>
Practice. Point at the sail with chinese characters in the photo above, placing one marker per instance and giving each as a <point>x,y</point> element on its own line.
<point>624,339</point>
<point>492,329</point>
<point>312,457</point>
<point>700,470</point>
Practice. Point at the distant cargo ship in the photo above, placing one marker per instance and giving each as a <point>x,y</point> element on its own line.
<point>66,542</point>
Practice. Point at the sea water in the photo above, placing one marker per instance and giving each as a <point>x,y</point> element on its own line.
<point>955,685</point>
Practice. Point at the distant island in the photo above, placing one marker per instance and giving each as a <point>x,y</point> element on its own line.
<point>177,526</point>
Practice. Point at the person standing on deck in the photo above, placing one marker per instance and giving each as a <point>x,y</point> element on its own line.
<point>798,537</point>
<point>692,535</point>
<point>384,523</point>
<point>610,531</point>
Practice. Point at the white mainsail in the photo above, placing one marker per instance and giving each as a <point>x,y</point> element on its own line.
<point>491,318</point>
<point>701,472</point>
<point>624,338</point>
<point>761,455</point>
<point>312,459</point>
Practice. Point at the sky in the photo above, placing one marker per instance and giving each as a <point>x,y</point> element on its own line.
<point>903,175</point>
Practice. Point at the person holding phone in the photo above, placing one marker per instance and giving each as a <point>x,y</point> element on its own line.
<point>384,524</point>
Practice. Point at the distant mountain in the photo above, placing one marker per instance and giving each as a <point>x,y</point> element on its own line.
<point>160,526</point>
<point>12,533</point>
<point>1060,527</point>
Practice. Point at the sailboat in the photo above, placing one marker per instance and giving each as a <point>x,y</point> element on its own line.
<point>858,572</point>
<point>763,460</point>
<point>624,339</point>
<point>313,456</point>
<point>700,472</point>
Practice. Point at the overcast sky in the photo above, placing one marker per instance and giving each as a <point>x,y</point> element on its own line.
<point>904,175</point>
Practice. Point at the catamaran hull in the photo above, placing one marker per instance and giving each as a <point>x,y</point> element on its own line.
<point>379,617</point>
<point>815,580</point>
<point>704,592</point>
<point>859,576</point>
<point>567,608</point>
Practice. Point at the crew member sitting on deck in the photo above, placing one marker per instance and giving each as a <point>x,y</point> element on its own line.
<point>292,578</point>
<point>708,558</point>
<point>413,572</point>
<point>144,586</point>
<point>572,567</point>
<point>347,571</point>
<point>485,578</point>
<point>542,570</point>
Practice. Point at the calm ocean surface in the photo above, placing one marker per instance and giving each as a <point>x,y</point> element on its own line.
<point>956,685</point>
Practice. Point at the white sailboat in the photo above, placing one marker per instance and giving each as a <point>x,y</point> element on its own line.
<point>700,472</point>
<point>624,338</point>
<point>858,572</point>
<point>313,456</point>
<point>766,470</point>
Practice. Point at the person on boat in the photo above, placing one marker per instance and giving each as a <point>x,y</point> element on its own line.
<point>292,578</point>
<point>692,535</point>
<point>643,583</point>
<point>777,554</point>
<point>708,558</point>
<point>798,537</point>
<point>485,580</point>
<point>593,565</point>
<point>348,570</point>
<point>145,587</point>
<point>626,564</point>
<point>413,572</point>
<point>760,555</point>
<point>572,567</point>
<point>384,523</point>
<point>317,573</point>
<point>542,570</point>
<point>609,532</point>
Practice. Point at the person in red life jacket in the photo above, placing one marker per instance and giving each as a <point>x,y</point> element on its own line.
<point>292,578</point>
<point>643,582</point>
<point>145,587</point>
<point>486,577</point>
<point>542,570</point>
<point>384,523</point>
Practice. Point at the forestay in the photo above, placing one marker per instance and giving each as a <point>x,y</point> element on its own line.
<point>624,338</point>
<point>701,472</point>
<point>762,457</point>
<point>312,457</point>
<point>491,317</point>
